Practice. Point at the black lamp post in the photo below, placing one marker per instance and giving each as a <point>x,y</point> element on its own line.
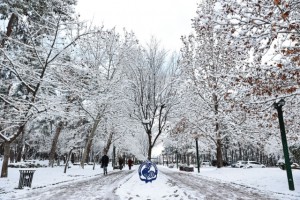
<point>197,150</point>
<point>196,136</point>
<point>278,107</point>
<point>114,157</point>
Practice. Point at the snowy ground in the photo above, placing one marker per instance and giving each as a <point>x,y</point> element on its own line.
<point>211,183</point>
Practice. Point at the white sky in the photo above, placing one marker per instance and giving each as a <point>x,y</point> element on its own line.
<point>167,20</point>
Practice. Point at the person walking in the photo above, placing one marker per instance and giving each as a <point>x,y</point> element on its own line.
<point>104,163</point>
<point>130,162</point>
<point>121,162</point>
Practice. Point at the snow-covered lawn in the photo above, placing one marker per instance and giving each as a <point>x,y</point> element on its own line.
<point>273,180</point>
<point>44,177</point>
<point>268,180</point>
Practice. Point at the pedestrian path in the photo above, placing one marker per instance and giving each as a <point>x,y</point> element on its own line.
<point>126,185</point>
<point>161,188</point>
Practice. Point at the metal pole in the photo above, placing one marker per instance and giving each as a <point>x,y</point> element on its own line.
<point>198,164</point>
<point>114,157</point>
<point>285,146</point>
<point>177,159</point>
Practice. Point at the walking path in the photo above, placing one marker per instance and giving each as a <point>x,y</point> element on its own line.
<point>125,184</point>
<point>210,189</point>
<point>100,187</point>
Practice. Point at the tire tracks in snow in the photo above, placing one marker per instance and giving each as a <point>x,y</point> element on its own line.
<point>212,189</point>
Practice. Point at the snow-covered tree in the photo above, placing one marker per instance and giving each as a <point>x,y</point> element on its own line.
<point>150,90</point>
<point>101,56</point>
<point>210,62</point>
<point>33,44</point>
<point>270,30</point>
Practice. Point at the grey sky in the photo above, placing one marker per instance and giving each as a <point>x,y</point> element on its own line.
<point>167,20</point>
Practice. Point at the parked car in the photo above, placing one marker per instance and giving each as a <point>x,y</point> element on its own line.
<point>295,166</point>
<point>254,164</point>
<point>281,164</point>
<point>205,163</point>
<point>239,164</point>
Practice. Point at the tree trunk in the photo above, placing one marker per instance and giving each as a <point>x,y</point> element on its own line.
<point>149,152</point>
<point>226,154</point>
<point>26,149</point>
<point>54,143</point>
<point>150,145</point>
<point>58,160</point>
<point>67,161</point>
<point>88,152</point>
<point>20,149</point>
<point>6,146</point>
<point>95,159</point>
<point>12,156</point>
<point>219,147</point>
<point>108,143</point>
<point>90,141</point>
<point>219,154</point>
<point>13,19</point>
<point>260,157</point>
<point>5,159</point>
<point>245,157</point>
<point>217,131</point>
<point>240,152</point>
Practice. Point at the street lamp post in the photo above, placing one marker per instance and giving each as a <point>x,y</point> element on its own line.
<point>197,150</point>
<point>278,107</point>
<point>163,155</point>
<point>196,136</point>
<point>176,158</point>
<point>114,157</point>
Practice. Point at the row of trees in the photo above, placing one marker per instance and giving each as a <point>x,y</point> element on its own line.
<point>66,84</point>
<point>242,57</point>
<point>182,156</point>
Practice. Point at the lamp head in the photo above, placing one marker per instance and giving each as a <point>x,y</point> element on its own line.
<point>281,102</point>
<point>278,104</point>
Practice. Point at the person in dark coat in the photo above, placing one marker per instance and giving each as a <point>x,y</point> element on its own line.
<point>104,163</point>
<point>130,162</point>
<point>121,162</point>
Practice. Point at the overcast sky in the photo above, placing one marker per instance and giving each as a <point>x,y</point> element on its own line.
<point>167,20</point>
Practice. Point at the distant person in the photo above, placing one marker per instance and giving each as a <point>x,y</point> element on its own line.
<point>104,163</point>
<point>121,162</point>
<point>130,162</point>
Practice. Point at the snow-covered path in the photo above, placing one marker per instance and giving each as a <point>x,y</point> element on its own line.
<point>100,187</point>
<point>125,184</point>
<point>184,186</point>
<point>211,189</point>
